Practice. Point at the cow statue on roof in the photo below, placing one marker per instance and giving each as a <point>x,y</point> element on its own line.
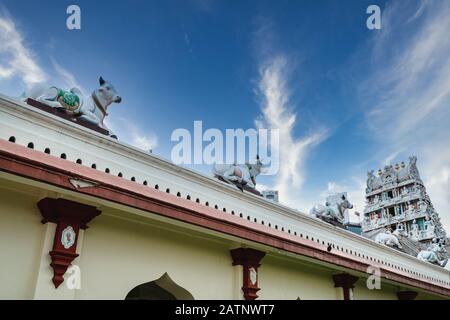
<point>242,176</point>
<point>334,210</point>
<point>92,109</point>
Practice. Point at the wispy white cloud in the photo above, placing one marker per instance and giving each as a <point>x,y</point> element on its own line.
<point>16,59</point>
<point>392,156</point>
<point>187,38</point>
<point>276,113</point>
<point>66,77</point>
<point>143,141</point>
<point>405,95</point>
<point>407,92</point>
<point>412,85</point>
<point>204,5</point>
<point>129,132</point>
<point>274,88</point>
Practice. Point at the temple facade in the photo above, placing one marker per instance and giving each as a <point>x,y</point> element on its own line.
<point>396,199</point>
<point>86,216</point>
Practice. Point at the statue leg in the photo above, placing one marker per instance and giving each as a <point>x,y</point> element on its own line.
<point>113,135</point>
<point>90,117</point>
<point>229,174</point>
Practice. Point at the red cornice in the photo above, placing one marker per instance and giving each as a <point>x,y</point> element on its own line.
<point>57,210</point>
<point>39,166</point>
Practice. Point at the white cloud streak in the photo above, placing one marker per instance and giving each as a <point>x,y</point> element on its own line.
<point>67,77</point>
<point>18,60</point>
<point>276,114</point>
<point>15,58</point>
<point>407,92</point>
<point>130,133</point>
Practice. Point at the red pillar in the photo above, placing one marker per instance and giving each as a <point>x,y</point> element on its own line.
<point>346,282</point>
<point>69,217</point>
<point>250,260</point>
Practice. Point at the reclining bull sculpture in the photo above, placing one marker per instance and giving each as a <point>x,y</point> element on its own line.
<point>92,108</point>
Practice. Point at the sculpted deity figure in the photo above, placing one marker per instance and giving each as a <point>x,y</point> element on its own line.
<point>388,174</point>
<point>422,206</point>
<point>414,233</point>
<point>428,225</point>
<point>375,221</point>
<point>370,180</point>
<point>412,168</point>
<point>409,209</point>
<point>383,214</point>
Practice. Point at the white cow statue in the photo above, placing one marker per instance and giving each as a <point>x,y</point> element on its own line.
<point>400,231</point>
<point>239,175</point>
<point>92,108</point>
<point>432,253</point>
<point>387,238</point>
<point>333,210</point>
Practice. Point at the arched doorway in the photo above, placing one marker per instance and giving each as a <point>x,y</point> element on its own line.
<point>163,288</point>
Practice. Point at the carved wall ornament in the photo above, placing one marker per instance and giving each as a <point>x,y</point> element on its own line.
<point>253,275</point>
<point>68,237</point>
<point>70,217</point>
<point>79,183</point>
<point>250,260</point>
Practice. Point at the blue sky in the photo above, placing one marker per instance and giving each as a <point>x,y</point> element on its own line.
<point>361,98</point>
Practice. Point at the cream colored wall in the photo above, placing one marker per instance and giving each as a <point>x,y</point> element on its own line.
<point>118,255</point>
<point>361,292</point>
<point>426,296</point>
<point>21,240</point>
<point>283,279</point>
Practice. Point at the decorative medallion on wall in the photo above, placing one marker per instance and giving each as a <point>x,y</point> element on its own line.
<point>253,275</point>
<point>68,237</point>
<point>69,217</point>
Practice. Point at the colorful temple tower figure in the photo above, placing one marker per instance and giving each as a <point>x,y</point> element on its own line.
<point>396,200</point>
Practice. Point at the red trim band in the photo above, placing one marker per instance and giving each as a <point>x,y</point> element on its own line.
<point>39,166</point>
